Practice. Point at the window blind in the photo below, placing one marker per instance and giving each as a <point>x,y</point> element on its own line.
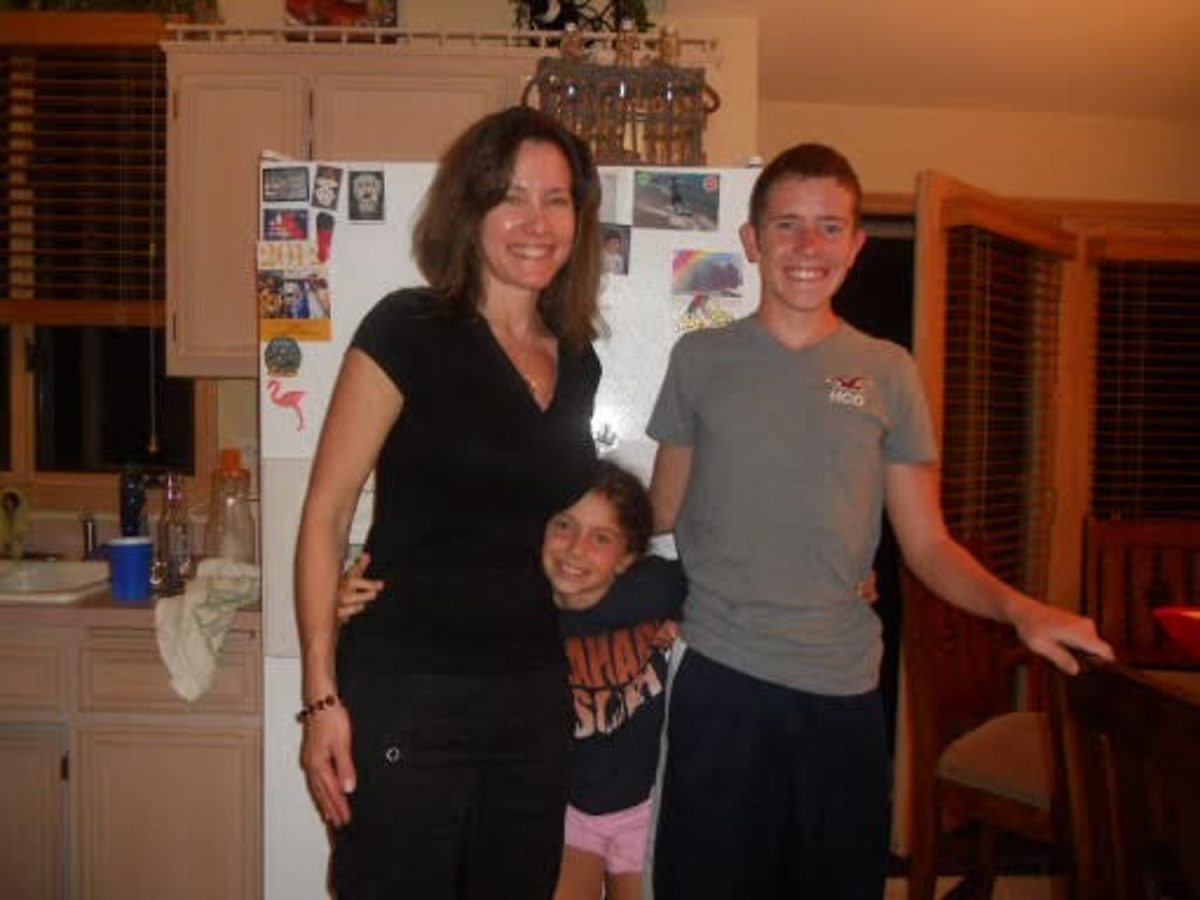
<point>1001,344</point>
<point>1146,433</point>
<point>82,231</point>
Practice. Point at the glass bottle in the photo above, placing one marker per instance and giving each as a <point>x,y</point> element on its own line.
<point>229,533</point>
<point>133,502</point>
<point>174,546</point>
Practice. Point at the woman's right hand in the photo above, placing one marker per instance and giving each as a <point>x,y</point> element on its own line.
<point>328,767</point>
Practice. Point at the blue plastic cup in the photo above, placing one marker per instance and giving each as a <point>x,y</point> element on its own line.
<point>129,561</point>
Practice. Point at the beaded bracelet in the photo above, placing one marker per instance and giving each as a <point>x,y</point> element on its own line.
<point>311,709</point>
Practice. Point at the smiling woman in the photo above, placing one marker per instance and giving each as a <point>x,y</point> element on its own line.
<point>434,723</point>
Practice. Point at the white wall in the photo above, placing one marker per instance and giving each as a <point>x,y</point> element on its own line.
<point>1017,154</point>
<point>733,130</point>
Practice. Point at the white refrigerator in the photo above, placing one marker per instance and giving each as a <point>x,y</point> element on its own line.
<point>335,237</point>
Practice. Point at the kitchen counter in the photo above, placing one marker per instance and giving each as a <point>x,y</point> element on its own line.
<point>102,610</point>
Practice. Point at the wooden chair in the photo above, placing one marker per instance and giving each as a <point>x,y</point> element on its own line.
<point>1130,757</point>
<point>1130,568</point>
<point>977,756</point>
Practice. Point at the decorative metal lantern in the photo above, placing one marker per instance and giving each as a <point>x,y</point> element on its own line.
<point>650,114</point>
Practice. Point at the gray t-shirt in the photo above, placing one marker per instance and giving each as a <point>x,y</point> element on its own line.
<point>784,503</point>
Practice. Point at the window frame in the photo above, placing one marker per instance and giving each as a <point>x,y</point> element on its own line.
<point>72,491</point>
<point>943,203</point>
<point>1126,252</point>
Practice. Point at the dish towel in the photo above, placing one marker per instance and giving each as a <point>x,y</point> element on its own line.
<point>191,626</point>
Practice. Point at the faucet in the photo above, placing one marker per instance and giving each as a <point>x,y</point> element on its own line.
<point>88,520</point>
<point>14,522</point>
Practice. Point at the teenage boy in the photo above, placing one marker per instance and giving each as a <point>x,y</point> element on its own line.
<point>782,437</point>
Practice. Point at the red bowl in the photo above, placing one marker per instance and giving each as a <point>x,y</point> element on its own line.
<point>1182,625</point>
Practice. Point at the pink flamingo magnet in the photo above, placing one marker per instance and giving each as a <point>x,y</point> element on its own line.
<point>289,399</point>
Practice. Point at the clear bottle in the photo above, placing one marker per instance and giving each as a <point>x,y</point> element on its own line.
<point>229,533</point>
<point>174,545</point>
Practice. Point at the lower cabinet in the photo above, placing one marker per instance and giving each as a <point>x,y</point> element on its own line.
<point>167,812</point>
<point>33,798</point>
<point>111,786</point>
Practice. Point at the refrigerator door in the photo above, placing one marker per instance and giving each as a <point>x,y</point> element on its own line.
<point>686,269</point>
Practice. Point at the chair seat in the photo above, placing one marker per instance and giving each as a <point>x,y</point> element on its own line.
<point>1010,755</point>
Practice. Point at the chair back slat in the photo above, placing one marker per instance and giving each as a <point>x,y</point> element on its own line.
<point>1130,569</point>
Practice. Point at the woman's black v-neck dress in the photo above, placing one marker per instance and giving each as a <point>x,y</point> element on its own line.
<point>454,676</point>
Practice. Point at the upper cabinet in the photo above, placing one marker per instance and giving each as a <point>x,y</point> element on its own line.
<point>224,113</point>
<point>231,102</point>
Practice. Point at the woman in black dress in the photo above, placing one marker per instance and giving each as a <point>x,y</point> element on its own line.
<point>435,733</point>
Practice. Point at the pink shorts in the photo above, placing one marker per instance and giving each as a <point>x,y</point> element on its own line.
<point>618,838</point>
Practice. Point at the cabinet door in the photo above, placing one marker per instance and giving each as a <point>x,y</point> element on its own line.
<point>168,813</point>
<point>33,800</point>
<point>220,124</point>
<point>405,116</point>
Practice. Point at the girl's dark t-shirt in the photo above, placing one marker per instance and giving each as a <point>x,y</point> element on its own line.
<point>464,484</point>
<point>618,675</point>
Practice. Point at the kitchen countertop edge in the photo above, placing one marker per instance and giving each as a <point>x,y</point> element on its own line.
<point>102,610</point>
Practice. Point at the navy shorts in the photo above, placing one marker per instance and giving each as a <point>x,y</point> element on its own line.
<point>770,792</point>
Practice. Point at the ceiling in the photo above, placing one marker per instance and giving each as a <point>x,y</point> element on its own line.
<point>1137,58</point>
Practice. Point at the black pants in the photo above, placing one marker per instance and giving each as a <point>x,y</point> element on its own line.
<point>461,788</point>
<point>770,793</point>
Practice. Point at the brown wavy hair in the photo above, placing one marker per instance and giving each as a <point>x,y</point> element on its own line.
<point>805,161</point>
<point>473,177</point>
<point>629,500</point>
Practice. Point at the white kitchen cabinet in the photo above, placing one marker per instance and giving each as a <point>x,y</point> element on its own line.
<point>168,812</point>
<point>114,786</point>
<point>34,700</point>
<point>222,117</point>
<point>32,795</point>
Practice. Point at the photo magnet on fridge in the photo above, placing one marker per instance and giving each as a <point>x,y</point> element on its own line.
<point>366,195</point>
<point>285,183</point>
<point>327,187</point>
<point>680,201</point>
<point>285,224</point>
<point>707,287</point>
<point>294,303</point>
<point>615,240</point>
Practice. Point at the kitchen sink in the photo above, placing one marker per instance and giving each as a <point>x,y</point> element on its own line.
<point>44,581</point>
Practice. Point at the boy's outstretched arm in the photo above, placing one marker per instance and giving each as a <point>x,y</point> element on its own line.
<point>914,507</point>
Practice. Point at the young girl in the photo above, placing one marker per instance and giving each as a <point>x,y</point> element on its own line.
<point>618,609</point>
